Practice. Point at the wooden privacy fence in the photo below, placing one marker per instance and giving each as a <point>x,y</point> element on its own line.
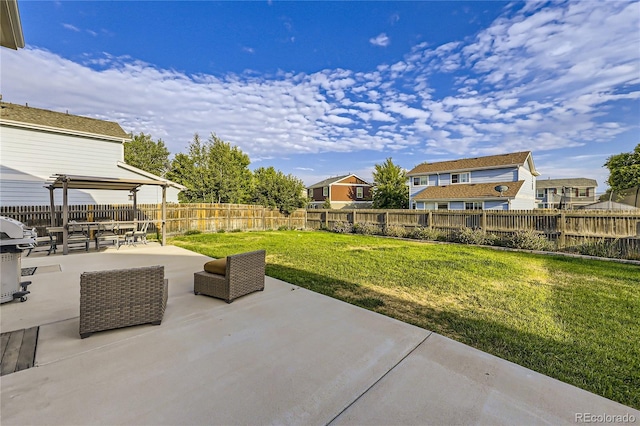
<point>181,218</point>
<point>566,227</point>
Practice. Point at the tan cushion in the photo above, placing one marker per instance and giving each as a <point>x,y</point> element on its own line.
<point>218,266</point>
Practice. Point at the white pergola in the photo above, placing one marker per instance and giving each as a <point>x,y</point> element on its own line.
<point>66,182</point>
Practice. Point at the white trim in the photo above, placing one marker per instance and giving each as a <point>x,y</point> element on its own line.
<point>150,175</point>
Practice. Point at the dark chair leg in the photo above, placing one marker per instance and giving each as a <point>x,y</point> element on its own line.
<point>85,335</point>
<point>156,322</point>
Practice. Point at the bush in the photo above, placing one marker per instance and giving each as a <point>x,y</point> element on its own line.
<point>342,227</point>
<point>366,229</point>
<point>602,248</point>
<point>421,233</point>
<point>395,231</point>
<point>469,236</point>
<point>192,232</point>
<point>528,240</point>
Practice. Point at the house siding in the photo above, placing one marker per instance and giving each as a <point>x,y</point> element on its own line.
<point>29,158</point>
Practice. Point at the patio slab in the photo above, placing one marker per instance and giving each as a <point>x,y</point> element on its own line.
<point>283,356</point>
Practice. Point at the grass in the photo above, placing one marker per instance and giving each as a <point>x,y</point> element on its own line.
<point>573,319</point>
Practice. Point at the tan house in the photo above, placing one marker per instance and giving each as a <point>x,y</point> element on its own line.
<point>568,193</point>
<point>348,191</point>
<point>496,182</point>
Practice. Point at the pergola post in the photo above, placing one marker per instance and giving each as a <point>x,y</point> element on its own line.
<point>65,216</point>
<point>53,207</point>
<point>164,214</point>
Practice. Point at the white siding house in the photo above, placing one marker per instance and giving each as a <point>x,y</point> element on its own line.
<point>470,183</point>
<point>36,144</point>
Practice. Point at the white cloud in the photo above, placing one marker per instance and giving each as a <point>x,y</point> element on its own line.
<point>380,40</point>
<point>71,27</point>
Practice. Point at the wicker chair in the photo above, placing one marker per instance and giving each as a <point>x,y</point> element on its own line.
<point>244,274</point>
<point>122,297</point>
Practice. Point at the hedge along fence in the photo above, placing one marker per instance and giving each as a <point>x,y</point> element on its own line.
<point>567,228</point>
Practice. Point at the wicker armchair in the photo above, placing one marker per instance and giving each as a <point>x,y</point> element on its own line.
<point>244,274</point>
<point>122,297</point>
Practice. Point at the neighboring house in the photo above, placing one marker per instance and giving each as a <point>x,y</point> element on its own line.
<point>38,143</point>
<point>348,191</point>
<point>565,193</point>
<point>470,183</point>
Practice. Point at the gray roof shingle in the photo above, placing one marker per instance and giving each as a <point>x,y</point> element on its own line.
<point>60,120</point>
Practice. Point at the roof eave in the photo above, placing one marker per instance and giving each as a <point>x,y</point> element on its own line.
<point>51,129</point>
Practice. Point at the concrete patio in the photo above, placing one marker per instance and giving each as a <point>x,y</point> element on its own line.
<point>282,356</point>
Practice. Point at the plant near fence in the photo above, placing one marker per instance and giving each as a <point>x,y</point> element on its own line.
<point>341,227</point>
<point>422,233</point>
<point>602,248</point>
<point>366,229</point>
<point>470,236</point>
<point>528,240</point>
<point>395,231</point>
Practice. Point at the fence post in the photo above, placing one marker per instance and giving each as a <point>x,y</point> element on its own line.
<point>353,217</point>
<point>228,217</point>
<point>430,219</point>
<point>561,229</point>
<point>386,219</point>
<point>483,222</point>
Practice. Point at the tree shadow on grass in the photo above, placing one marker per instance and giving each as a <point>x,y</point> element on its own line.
<point>570,361</point>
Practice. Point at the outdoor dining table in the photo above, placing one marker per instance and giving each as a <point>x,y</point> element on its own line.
<point>121,226</point>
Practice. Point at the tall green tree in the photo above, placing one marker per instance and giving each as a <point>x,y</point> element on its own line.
<point>390,191</point>
<point>213,172</point>
<point>274,189</point>
<point>624,170</point>
<point>142,152</point>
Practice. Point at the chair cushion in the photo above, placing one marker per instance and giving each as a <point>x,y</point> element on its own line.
<point>218,266</point>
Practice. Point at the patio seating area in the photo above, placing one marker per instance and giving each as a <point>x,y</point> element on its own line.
<point>284,355</point>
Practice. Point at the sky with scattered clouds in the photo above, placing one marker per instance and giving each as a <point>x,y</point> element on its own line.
<point>319,89</point>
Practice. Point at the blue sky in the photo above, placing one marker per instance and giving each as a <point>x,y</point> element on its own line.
<point>320,89</point>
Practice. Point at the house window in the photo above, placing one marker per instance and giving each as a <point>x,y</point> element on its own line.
<point>421,181</point>
<point>310,193</point>
<point>325,191</point>
<point>540,193</point>
<point>473,206</point>
<point>583,192</point>
<point>359,192</point>
<point>443,206</point>
<point>460,178</point>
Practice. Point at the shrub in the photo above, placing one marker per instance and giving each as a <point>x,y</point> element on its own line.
<point>192,232</point>
<point>421,233</point>
<point>469,236</point>
<point>395,231</point>
<point>602,248</point>
<point>528,240</point>
<point>366,229</point>
<point>342,227</point>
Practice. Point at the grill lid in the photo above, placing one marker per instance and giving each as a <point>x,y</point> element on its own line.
<point>13,232</point>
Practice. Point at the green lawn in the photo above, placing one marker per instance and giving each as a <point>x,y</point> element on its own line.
<point>573,319</point>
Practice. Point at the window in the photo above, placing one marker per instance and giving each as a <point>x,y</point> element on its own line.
<point>325,191</point>
<point>310,193</point>
<point>583,192</point>
<point>421,181</point>
<point>473,206</point>
<point>540,193</point>
<point>460,178</point>
<point>359,192</point>
<point>443,206</point>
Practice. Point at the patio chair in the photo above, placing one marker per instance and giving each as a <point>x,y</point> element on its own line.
<point>107,232</point>
<point>231,277</point>
<point>132,236</point>
<point>121,298</point>
<point>48,242</point>
<point>78,235</point>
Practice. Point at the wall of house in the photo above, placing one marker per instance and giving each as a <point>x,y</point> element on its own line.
<point>340,192</point>
<point>28,158</point>
<point>496,205</point>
